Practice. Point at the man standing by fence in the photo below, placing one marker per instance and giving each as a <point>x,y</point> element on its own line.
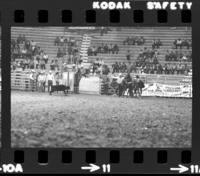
<point>41,81</point>
<point>140,85</point>
<point>120,85</point>
<point>128,79</point>
<point>32,80</point>
<point>50,79</point>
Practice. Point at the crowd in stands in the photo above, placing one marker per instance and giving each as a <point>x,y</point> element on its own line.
<point>119,67</point>
<point>66,46</point>
<point>151,68</point>
<point>148,62</point>
<point>26,53</point>
<point>104,30</point>
<point>180,43</point>
<point>134,40</point>
<point>22,46</point>
<point>178,56</point>
<point>156,44</point>
<point>104,48</point>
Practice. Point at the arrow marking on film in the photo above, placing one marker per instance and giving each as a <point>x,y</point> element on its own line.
<point>92,167</point>
<point>180,169</point>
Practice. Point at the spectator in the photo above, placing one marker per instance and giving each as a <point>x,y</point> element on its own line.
<point>46,58</point>
<point>105,48</point>
<point>184,58</point>
<point>156,44</point>
<point>115,49</point>
<point>21,39</point>
<point>52,65</point>
<point>50,79</point>
<point>178,43</point>
<point>160,69</point>
<point>56,66</point>
<point>140,41</point>
<point>110,48</point>
<point>189,44</point>
<point>128,56</point>
<point>127,41</point>
<point>42,64</point>
<point>57,41</point>
<point>36,64</point>
<point>101,62</point>
<point>124,67</point>
<point>59,53</point>
<point>62,40</point>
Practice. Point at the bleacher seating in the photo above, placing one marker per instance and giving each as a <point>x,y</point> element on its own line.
<point>45,37</point>
<point>166,34</point>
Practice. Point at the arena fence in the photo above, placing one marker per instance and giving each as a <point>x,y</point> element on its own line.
<point>155,85</point>
<point>20,80</point>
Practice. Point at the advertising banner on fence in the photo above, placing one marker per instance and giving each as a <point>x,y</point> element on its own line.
<point>164,90</point>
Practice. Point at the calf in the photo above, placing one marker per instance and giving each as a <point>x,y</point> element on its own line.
<point>59,88</point>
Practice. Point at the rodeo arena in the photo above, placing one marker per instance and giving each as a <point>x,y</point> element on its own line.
<point>101,86</point>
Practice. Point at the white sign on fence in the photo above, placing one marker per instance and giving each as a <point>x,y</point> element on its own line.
<point>89,85</point>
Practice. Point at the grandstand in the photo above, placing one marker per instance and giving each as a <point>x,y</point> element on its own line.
<point>45,37</point>
<point>166,34</point>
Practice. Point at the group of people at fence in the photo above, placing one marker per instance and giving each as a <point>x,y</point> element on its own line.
<point>123,85</point>
<point>129,86</point>
<point>39,80</point>
<point>42,81</point>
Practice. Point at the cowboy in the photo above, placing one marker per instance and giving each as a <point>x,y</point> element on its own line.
<point>50,79</point>
<point>140,85</point>
<point>41,81</point>
<point>32,80</point>
<point>129,83</point>
<point>120,85</point>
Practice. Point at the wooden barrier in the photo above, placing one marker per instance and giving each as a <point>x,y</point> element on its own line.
<point>107,88</point>
<point>20,80</point>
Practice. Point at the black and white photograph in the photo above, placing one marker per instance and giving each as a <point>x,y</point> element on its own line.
<point>101,87</point>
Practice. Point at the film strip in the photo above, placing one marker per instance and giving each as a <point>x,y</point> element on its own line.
<point>94,128</point>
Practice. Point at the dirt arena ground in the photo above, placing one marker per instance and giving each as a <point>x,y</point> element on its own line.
<point>40,120</point>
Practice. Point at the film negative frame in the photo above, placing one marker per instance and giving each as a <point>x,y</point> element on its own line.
<point>131,160</point>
